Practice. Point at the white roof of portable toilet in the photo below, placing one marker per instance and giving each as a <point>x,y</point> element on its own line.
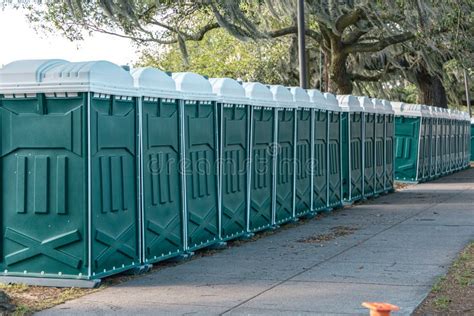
<point>282,96</point>
<point>432,111</point>
<point>36,76</point>
<point>349,103</point>
<point>317,99</point>
<point>228,91</point>
<point>301,97</point>
<point>466,116</point>
<point>406,109</point>
<point>387,105</point>
<point>193,86</point>
<point>258,94</point>
<point>455,114</point>
<point>367,104</point>
<point>331,102</point>
<point>471,119</point>
<point>378,105</point>
<point>425,111</point>
<point>446,113</point>
<point>152,82</point>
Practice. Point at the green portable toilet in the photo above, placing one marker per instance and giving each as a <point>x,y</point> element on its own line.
<point>453,133</point>
<point>465,123</point>
<point>467,139</point>
<point>352,139</point>
<point>433,141</point>
<point>437,130</point>
<point>199,141</point>
<point>262,148</point>
<point>369,117</point>
<point>284,181</point>
<point>69,163</point>
<point>234,120</point>
<point>389,137</point>
<point>304,153</point>
<point>320,150</point>
<point>458,119</point>
<point>424,156</point>
<point>472,140</point>
<point>160,151</point>
<point>379,137</point>
<point>444,141</point>
<point>424,144</point>
<point>334,154</point>
<point>407,141</point>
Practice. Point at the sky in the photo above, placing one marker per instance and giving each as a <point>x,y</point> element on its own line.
<point>27,44</point>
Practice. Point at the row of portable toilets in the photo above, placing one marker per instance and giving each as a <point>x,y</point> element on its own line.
<point>106,170</point>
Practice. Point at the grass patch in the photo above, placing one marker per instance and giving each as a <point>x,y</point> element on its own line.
<point>30,299</point>
<point>453,293</point>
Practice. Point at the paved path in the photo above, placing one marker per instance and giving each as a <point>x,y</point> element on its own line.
<point>403,242</point>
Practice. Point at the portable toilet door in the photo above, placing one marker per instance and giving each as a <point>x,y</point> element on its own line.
<point>284,198</point>
<point>162,207</point>
<point>424,159</point>
<point>389,138</point>
<point>433,142</point>
<point>369,146</point>
<point>262,147</point>
<point>334,154</point>
<point>304,153</point>
<point>451,139</point>
<point>472,139</point>
<point>199,141</point>
<point>407,136</point>
<point>444,141</point>
<point>234,120</point>
<point>352,147</point>
<point>69,165</point>
<point>460,123</point>
<point>320,150</point>
<point>421,148</point>
<point>467,132</point>
<point>439,150</point>
<point>379,146</point>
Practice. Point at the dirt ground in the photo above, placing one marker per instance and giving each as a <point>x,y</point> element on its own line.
<point>453,294</point>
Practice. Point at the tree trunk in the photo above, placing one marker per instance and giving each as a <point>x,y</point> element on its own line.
<point>339,79</point>
<point>431,90</point>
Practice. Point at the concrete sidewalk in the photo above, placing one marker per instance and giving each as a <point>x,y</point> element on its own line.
<point>402,242</point>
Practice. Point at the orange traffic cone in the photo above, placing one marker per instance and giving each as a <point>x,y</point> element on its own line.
<point>380,309</point>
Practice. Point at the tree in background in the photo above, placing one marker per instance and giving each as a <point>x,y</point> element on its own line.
<point>351,33</point>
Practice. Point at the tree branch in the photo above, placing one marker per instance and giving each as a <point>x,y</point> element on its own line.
<point>380,44</point>
<point>353,37</point>
<point>348,19</point>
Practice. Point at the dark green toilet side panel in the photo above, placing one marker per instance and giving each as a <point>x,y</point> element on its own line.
<point>320,182</point>
<point>335,182</point>
<point>427,150</point>
<point>472,142</point>
<point>379,152</point>
<point>162,187</point>
<point>433,147</point>
<point>406,147</point>
<point>200,131</point>
<point>43,167</point>
<point>285,166</point>
<point>114,228</point>
<point>303,162</point>
<point>234,173</point>
<point>439,149</point>
<point>261,173</point>
<point>369,159</point>
<point>356,156</point>
<point>390,153</point>
<point>452,145</point>
<point>345,155</point>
